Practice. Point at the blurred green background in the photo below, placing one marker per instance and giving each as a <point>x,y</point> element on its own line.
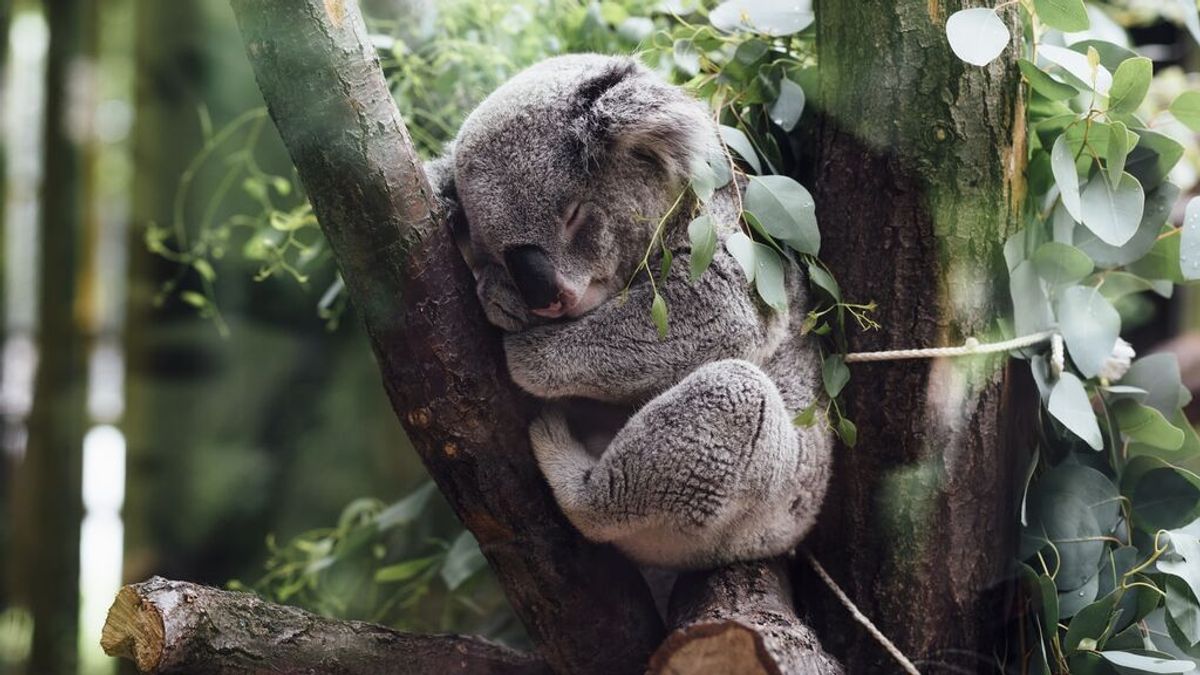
<point>182,390</point>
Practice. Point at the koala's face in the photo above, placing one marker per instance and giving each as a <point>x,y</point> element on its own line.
<point>563,174</point>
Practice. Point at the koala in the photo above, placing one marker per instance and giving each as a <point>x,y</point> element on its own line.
<point>554,187</point>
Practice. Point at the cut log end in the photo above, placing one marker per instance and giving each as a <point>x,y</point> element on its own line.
<point>133,630</point>
<point>717,647</point>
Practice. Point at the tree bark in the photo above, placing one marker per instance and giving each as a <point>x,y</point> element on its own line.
<point>739,620</point>
<point>584,605</point>
<point>176,627</point>
<point>919,181</point>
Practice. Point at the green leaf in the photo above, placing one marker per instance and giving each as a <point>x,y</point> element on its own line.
<point>1117,285</point>
<point>1153,158</point>
<point>847,432</point>
<point>1069,16</point>
<point>658,312</point>
<point>1158,374</point>
<point>1061,264</point>
<point>823,280</point>
<point>977,35</point>
<point>1162,496</point>
<point>1146,425</point>
<point>1113,214</point>
<point>737,141</point>
<point>765,17</point>
<point>808,416</point>
<point>403,571</point>
<point>1031,308</point>
<point>1118,150</point>
<point>768,277</point>
<point>1186,109</point>
<point>1139,663</point>
<point>786,210</point>
<point>686,56</point>
<point>1077,68</point>
<point>406,510</point>
<point>1069,405</point>
<point>205,270</point>
<point>665,266</point>
<point>1045,84</point>
<point>1183,609</point>
<point>834,374</point>
<point>1062,163</point>
<point>194,299</point>
<point>1157,210</point>
<point>1189,241</point>
<point>788,107</point>
<point>1090,623</point>
<point>1089,326</point>
<point>463,561</point>
<point>1072,507</point>
<point>1183,562</point>
<point>703,237</point>
<point>741,248</point>
<point>1111,55</point>
<point>1131,81</point>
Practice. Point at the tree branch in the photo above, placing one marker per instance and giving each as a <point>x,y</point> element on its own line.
<point>176,627</point>
<point>587,608</point>
<point>739,619</point>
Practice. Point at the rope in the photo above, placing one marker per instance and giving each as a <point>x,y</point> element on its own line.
<point>858,616</point>
<point>971,347</point>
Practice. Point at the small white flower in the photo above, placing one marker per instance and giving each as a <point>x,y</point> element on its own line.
<point>1117,363</point>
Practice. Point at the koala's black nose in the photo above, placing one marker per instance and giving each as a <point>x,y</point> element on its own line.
<point>534,275</point>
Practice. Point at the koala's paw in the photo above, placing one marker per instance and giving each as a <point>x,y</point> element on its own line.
<point>552,440</point>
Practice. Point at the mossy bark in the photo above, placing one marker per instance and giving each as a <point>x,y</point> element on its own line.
<point>919,180</point>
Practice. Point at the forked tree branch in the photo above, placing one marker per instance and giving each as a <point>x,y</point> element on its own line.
<point>585,607</point>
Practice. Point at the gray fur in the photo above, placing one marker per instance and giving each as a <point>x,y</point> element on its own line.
<point>709,469</point>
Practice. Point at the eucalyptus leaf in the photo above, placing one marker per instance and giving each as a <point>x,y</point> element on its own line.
<point>1162,496</point>
<point>823,280</point>
<point>1189,241</point>
<point>1139,663</point>
<point>786,210</point>
<point>702,235</point>
<point>1118,150</point>
<point>1090,327</point>
<point>977,35</point>
<point>1062,163</point>
<point>768,277</point>
<point>739,143</point>
<point>1061,264</point>
<point>1131,81</point>
<point>1184,610</point>
<point>1031,307</point>
<point>789,105</point>
<point>1044,83</point>
<point>1068,16</point>
<point>1186,109</point>
<point>658,313</point>
<point>1113,213</point>
<point>1069,405</point>
<point>1157,374</point>
<point>834,374</point>
<point>1153,158</point>
<point>1090,623</point>
<point>1183,561</point>
<point>1077,68</point>
<point>765,17</point>
<point>463,561</point>
<point>741,248</point>
<point>1146,425</point>
<point>1154,215</point>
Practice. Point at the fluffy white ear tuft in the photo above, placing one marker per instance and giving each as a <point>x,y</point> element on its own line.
<point>629,110</point>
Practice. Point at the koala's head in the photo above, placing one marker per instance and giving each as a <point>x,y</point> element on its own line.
<point>562,175</point>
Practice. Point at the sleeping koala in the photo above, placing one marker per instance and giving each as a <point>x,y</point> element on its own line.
<point>555,185</point>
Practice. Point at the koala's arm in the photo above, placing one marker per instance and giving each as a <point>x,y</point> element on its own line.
<point>614,353</point>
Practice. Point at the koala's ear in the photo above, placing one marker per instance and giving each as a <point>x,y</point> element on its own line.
<point>440,173</point>
<point>628,109</point>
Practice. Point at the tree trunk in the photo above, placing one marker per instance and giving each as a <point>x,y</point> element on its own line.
<point>584,605</point>
<point>176,627</point>
<point>48,478</point>
<point>919,181</point>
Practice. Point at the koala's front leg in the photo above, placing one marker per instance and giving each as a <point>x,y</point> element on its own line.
<point>614,352</point>
<point>709,472</point>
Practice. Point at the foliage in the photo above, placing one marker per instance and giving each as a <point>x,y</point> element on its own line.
<point>1110,555</point>
<point>382,563</point>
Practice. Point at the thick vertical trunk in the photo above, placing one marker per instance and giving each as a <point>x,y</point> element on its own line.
<point>48,480</point>
<point>919,181</point>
